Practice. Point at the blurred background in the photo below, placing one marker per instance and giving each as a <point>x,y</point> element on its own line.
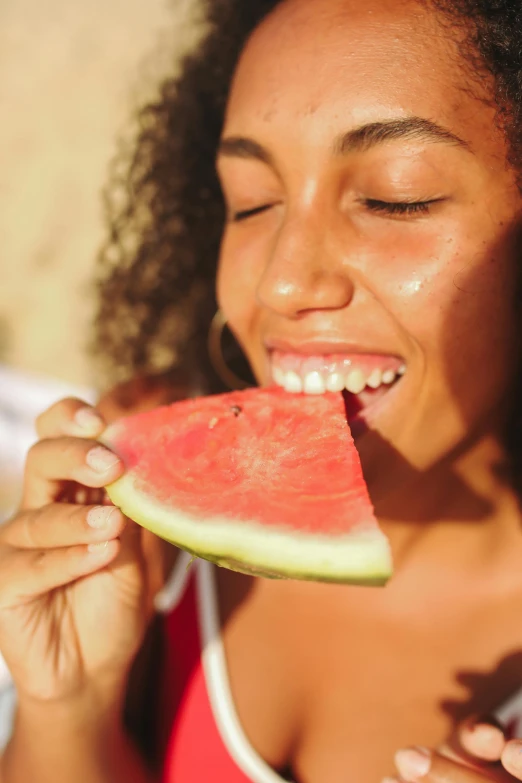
<point>71,77</point>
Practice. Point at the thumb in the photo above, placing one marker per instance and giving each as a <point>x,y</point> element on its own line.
<point>477,739</point>
<point>419,765</point>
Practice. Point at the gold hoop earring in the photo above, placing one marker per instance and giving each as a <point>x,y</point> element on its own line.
<point>215,352</point>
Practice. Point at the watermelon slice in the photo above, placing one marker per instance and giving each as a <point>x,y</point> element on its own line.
<point>259,481</point>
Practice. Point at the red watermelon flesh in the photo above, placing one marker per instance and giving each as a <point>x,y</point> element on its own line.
<point>260,481</point>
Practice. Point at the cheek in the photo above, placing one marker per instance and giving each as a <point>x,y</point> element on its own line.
<point>477,337</point>
<point>237,281</point>
<point>456,306</point>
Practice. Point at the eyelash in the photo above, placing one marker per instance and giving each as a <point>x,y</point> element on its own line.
<point>387,207</point>
<point>237,217</point>
<point>400,207</point>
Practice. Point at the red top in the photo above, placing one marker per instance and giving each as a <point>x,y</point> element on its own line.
<point>195,750</point>
<point>204,740</point>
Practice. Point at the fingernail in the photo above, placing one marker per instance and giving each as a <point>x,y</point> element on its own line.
<point>413,763</point>
<point>486,731</point>
<point>97,549</point>
<point>99,516</point>
<point>489,738</point>
<point>101,460</point>
<point>512,755</point>
<point>88,420</point>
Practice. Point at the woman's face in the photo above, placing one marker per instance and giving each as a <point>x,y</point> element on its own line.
<point>370,243</point>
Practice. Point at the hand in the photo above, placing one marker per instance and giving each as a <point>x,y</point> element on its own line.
<point>478,752</point>
<point>72,574</point>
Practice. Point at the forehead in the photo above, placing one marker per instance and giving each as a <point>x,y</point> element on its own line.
<point>354,61</point>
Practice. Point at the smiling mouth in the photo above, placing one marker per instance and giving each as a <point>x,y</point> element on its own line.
<point>363,378</point>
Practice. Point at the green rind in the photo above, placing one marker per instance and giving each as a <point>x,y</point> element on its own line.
<point>361,558</point>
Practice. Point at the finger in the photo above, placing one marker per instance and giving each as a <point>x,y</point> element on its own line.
<point>29,574</point>
<point>479,738</point>
<point>129,567</point>
<point>70,417</point>
<point>63,525</point>
<point>420,764</point>
<point>51,462</point>
<point>512,758</point>
<point>83,496</point>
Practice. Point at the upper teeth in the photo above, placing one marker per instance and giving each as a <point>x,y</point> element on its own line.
<point>354,380</point>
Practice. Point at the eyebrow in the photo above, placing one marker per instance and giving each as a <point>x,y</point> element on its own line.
<point>358,139</point>
<point>403,128</point>
<point>240,147</point>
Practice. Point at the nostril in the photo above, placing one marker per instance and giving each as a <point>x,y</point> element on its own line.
<point>304,270</point>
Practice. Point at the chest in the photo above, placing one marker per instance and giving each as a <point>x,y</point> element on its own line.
<point>335,690</point>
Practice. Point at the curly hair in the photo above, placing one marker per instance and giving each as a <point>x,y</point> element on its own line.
<point>166,211</point>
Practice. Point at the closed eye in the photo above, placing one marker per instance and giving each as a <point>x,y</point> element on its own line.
<point>244,214</point>
<point>401,208</point>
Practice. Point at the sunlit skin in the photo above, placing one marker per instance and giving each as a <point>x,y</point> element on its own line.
<point>322,262</point>
<point>372,214</point>
<point>317,255</point>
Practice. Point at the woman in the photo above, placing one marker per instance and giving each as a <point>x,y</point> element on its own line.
<point>368,159</point>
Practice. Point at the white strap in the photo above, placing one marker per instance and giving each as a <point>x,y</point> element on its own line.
<point>172,591</point>
<point>218,686</point>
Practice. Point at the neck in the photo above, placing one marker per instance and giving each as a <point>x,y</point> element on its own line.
<point>462,510</point>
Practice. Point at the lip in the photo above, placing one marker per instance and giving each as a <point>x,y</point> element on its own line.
<point>313,347</point>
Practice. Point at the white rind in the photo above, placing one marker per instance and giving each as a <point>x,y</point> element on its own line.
<point>359,557</point>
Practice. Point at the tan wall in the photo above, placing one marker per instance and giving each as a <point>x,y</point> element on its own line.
<point>68,77</point>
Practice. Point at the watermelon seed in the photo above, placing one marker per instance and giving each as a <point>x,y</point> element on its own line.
<point>212,423</point>
<point>236,410</point>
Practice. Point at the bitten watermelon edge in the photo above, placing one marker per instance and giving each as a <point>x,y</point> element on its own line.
<point>259,481</point>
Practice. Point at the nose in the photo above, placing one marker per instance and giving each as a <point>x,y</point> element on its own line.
<point>304,272</point>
